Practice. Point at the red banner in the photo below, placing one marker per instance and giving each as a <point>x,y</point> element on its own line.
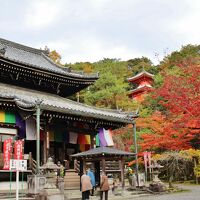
<point>7,146</point>
<point>149,157</point>
<point>18,152</point>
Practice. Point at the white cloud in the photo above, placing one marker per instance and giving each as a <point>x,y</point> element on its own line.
<point>188,27</point>
<point>89,30</point>
<point>89,49</point>
<point>42,13</point>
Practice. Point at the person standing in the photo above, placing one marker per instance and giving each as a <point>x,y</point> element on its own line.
<point>104,186</point>
<point>92,179</point>
<point>86,186</point>
<point>60,177</point>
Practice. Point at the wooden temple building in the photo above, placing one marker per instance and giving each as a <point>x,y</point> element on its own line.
<point>34,105</point>
<point>143,82</point>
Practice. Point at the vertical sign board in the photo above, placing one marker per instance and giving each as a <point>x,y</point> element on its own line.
<point>18,165</point>
<point>7,146</point>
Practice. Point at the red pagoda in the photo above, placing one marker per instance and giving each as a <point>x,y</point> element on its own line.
<point>144,81</point>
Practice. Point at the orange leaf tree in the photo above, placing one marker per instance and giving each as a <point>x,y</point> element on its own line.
<point>177,126</point>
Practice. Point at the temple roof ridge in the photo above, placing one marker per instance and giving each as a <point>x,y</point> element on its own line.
<point>140,88</point>
<point>36,58</point>
<point>143,72</point>
<point>55,103</point>
<point>22,47</point>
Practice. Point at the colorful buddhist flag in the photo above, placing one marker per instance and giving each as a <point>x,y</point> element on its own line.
<point>108,137</point>
<point>81,139</point>
<point>7,117</point>
<point>73,137</point>
<point>20,123</point>
<point>102,139</point>
<point>105,137</point>
<point>97,140</point>
<point>84,139</point>
<point>87,139</point>
<point>82,147</point>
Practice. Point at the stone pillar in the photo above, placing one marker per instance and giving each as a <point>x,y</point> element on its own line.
<point>122,173</point>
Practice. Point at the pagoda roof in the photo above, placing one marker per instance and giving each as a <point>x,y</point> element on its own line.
<point>141,88</point>
<point>140,75</point>
<point>102,151</point>
<point>53,103</point>
<point>37,59</point>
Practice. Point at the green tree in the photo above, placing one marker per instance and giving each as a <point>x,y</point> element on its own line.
<point>188,53</point>
<point>136,65</point>
<point>105,92</point>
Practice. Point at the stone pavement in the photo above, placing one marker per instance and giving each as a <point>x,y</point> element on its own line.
<point>193,193</point>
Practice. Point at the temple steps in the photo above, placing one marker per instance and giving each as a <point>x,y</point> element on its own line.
<point>72,180</point>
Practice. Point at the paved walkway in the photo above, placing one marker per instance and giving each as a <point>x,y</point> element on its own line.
<point>192,194</point>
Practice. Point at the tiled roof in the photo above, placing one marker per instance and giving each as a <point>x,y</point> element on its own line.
<point>36,58</point>
<point>54,103</point>
<point>141,88</point>
<point>143,73</point>
<point>110,151</point>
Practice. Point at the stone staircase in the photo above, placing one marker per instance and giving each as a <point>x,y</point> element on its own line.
<point>72,180</point>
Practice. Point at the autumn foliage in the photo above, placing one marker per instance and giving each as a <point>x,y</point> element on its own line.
<point>178,124</point>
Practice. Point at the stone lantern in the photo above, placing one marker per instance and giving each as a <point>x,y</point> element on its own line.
<point>50,171</point>
<point>156,185</point>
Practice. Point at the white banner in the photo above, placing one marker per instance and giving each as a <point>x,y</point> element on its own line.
<point>30,129</point>
<point>73,137</point>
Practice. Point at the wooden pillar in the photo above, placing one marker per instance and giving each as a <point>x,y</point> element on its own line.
<point>84,166</point>
<point>93,143</point>
<point>47,144</point>
<point>122,173</point>
<point>38,112</point>
<point>30,161</point>
<point>1,144</point>
<point>103,165</point>
<point>63,155</point>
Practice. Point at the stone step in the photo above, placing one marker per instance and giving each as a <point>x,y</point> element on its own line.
<point>72,180</point>
<point>74,184</point>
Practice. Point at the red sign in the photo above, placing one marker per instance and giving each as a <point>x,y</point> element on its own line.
<point>18,152</point>
<point>7,145</point>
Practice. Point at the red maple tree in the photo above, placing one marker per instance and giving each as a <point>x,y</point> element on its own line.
<point>179,124</point>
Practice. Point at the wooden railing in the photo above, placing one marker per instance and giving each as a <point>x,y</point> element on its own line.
<point>33,164</point>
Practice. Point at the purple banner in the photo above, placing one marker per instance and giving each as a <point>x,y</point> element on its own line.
<point>102,139</point>
<point>22,126</point>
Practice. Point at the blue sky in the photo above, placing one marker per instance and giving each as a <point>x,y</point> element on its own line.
<point>90,30</point>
